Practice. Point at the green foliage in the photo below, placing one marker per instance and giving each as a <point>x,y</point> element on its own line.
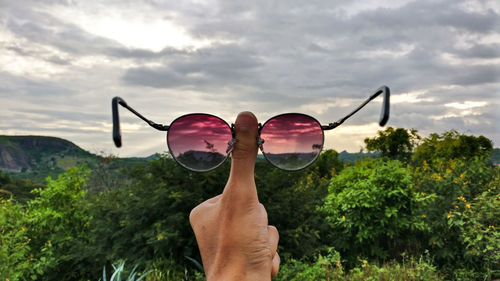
<point>375,210</point>
<point>148,221</point>
<point>394,143</point>
<point>18,188</point>
<point>292,200</point>
<point>372,211</point>
<point>450,182</point>
<point>16,258</point>
<point>39,239</point>
<point>452,145</point>
<point>329,268</point>
<point>410,270</point>
<point>58,222</point>
<point>478,223</point>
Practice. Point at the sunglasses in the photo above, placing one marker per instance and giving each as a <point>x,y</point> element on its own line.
<point>202,142</point>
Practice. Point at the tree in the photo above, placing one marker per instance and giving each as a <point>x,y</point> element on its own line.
<point>394,143</point>
<point>452,145</point>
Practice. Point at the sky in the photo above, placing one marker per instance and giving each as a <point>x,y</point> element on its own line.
<point>62,61</point>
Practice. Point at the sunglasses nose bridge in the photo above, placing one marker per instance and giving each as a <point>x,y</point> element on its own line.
<point>260,142</point>
<point>230,145</point>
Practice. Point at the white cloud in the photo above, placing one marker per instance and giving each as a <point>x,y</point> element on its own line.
<point>34,61</point>
<point>327,104</point>
<point>411,97</point>
<point>403,50</point>
<point>466,104</point>
<point>129,26</point>
<point>462,110</point>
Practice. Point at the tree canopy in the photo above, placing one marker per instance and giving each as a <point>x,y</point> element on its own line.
<point>394,143</point>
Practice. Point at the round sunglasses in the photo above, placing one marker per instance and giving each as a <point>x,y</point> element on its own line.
<point>202,142</point>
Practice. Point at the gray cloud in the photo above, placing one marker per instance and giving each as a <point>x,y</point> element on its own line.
<point>482,51</point>
<point>205,67</point>
<point>476,75</point>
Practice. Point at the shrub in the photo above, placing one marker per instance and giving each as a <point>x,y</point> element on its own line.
<point>478,223</point>
<point>375,210</point>
<point>454,183</point>
<point>58,220</point>
<point>17,261</point>
<point>325,268</point>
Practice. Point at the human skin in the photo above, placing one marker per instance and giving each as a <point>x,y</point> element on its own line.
<point>232,231</point>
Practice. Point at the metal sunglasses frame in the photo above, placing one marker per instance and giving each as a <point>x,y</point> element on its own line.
<point>384,117</point>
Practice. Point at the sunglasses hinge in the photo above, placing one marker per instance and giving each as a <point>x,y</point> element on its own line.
<point>331,126</point>
<point>159,127</point>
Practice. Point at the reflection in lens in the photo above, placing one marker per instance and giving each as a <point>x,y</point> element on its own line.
<point>291,141</point>
<point>199,141</point>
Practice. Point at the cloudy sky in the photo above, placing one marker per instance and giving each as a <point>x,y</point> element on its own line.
<point>62,61</point>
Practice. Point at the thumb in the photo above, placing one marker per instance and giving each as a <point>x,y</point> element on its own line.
<point>243,156</point>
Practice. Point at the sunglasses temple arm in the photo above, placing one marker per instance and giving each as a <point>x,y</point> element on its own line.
<point>117,138</point>
<point>384,116</point>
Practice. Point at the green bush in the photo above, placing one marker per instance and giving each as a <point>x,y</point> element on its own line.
<point>478,223</point>
<point>326,267</point>
<point>58,219</point>
<point>455,183</point>
<point>375,210</point>
<point>43,239</point>
<point>17,261</point>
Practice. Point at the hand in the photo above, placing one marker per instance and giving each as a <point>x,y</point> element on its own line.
<point>232,231</point>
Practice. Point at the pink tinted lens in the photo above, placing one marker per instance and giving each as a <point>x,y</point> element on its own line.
<point>199,141</point>
<point>292,141</point>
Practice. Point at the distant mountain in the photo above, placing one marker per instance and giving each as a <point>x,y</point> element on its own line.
<point>23,153</point>
<point>36,157</point>
<point>352,157</point>
<point>495,157</point>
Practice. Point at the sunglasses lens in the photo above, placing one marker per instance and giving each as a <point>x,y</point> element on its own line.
<point>292,141</point>
<point>199,141</point>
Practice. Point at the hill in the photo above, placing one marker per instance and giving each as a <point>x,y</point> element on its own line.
<point>27,153</point>
<point>495,157</point>
<point>36,157</point>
